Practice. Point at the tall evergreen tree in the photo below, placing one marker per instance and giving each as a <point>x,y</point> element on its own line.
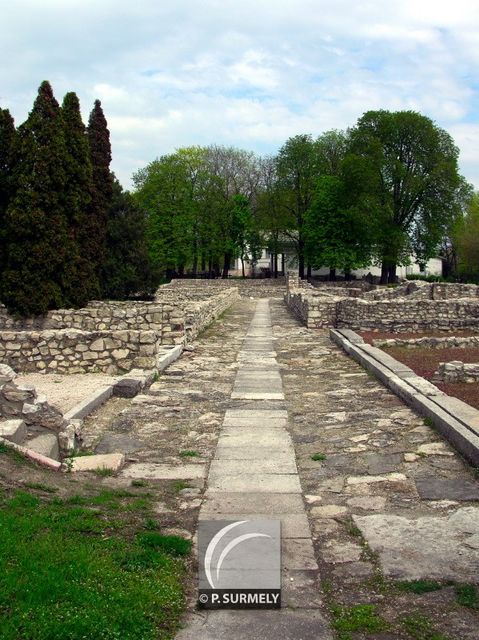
<point>7,162</point>
<point>80,277</point>
<point>35,222</point>
<point>126,268</point>
<point>102,187</point>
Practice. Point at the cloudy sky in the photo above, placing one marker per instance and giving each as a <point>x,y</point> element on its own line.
<point>245,73</point>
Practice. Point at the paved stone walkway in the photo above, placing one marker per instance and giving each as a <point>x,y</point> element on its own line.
<point>253,476</point>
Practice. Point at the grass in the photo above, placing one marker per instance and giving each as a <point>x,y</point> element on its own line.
<point>420,627</point>
<point>103,472</point>
<point>67,573</point>
<point>467,596</point>
<point>139,483</point>
<point>419,586</point>
<point>317,457</point>
<point>13,453</point>
<point>188,453</point>
<point>427,422</point>
<point>361,617</point>
<point>179,485</point>
<point>41,487</point>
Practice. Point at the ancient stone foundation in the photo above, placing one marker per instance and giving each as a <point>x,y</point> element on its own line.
<point>415,306</point>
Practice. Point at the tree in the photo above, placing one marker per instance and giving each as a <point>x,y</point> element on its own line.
<point>297,169</point>
<point>417,188</point>
<point>93,235</point>
<point>335,229</point>
<point>126,268</point>
<point>80,280</point>
<point>466,240</point>
<point>36,229</point>
<point>7,165</point>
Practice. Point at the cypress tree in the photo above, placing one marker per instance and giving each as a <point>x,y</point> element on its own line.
<point>102,190</point>
<point>80,278</point>
<point>35,221</point>
<point>7,162</point>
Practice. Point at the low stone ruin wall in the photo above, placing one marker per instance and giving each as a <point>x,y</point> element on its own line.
<point>456,371</point>
<point>413,311</point>
<point>75,351</point>
<point>108,337</point>
<point>247,288</point>
<point>446,342</point>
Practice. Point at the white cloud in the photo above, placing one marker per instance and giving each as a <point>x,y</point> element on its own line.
<point>245,73</point>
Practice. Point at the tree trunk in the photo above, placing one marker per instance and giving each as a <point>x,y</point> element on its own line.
<point>347,274</point>
<point>308,272</point>
<point>282,264</point>
<point>275,262</point>
<point>242,266</point>
<point>301,258</point>
<point>210,268</point>
<point>384,272</point>
<point>226,265</point>
<point>181,270</point>
<point>392,273</point>
<point>332,274</point>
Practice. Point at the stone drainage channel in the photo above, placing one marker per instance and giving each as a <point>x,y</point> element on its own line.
<point>254,476</point>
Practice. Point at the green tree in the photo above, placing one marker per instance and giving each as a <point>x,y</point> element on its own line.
<point>93,236</point>
<point>35,221</point>
<point>466,240</point>
<point>7,165</point>
<point>297,169</point>
<point>126,268</point>
<point>417,190</point>
<point>80,280</point>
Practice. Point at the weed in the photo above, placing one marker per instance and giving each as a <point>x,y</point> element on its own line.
<point>41,487</point>
<point>13,453</point>
<point>420,627</point>
<point>317,457</point>
<point>179,485</point>
<point>467,596</point>
<point>427,422</point>
<point>103,472</point>
<point>139,483</point>
<point>174,545</point>
<point>151,524</point>
<point>188,453</point>
<point>361,617</point>
<point>156,376</point>
<point>353,530</point>
<point>419,586</point>
<point>80,453</point>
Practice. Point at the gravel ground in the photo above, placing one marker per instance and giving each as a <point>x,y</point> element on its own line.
<point>65,391</point>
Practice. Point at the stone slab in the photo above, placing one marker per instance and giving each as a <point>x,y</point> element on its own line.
<point>434,548</point>
<point>220,467</point>
<point>13,430</point>
<point>256,413</point>
<point>91,403</point>
<point>152,471</point>
<point>46,444</point>
<point>292,525</point>
<point>164,359</point>
<point>256,483</point>
<point>268,504</point>
<point>298,554</point>
<point>282,452</point>
<point>112,461</point>
<point>434,488</point>
<point>301,589</point>
<point>287,624</point>
<point>238,395</point>
<point>256,423</point>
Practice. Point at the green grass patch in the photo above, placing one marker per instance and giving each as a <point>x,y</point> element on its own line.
<point>103,472</point>
<point>65,573</point>
<point>420,627</point>
<point>318,457</point>
<point>361,617</point>
<point>139,483</point>
<point>467,596</point>
<point>12,453</point>
<point>427,422</point>
<point>82,453</point>
<point>179,485</point>
<point>419,586</point>
<point>188,453</point>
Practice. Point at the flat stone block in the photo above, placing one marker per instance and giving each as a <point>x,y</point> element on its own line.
<point>301,589</point>
<point>221,467</point>
<point>275,438</point>
<point>112,461</point>
<point>154,471</point>
<point>256,423</point>
<point>88,405</point>
<point>13,430</point>
<point>237,395</point>
<point>261,503</point>
<point>256,413</point>
<point>287,624</point>
<point>46,444</point>
<point>225,452</point>
<point>127,387</point>
<point>298,554</point>
<point>434,488</point>
<point>256,483</point>
<point>292,525</point>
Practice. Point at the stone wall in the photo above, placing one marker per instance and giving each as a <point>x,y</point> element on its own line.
<point>446,342</point>
<point>457,371</point>
<point>247,288</point>
<point>415,306</point>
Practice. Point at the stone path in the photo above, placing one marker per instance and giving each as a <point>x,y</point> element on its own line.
<point>254,476</point>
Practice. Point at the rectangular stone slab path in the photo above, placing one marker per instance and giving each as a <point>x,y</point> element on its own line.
<point>254,476</point>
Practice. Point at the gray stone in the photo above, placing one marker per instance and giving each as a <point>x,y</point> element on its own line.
<point>118,442</point>
<point>430,547</point>
<point>13,430</point>
<point>46,444</point>
<point>154,471</point>
<point>127,387</point>
<point>434,488</point>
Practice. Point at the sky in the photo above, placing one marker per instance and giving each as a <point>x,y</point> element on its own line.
<point>244,73</point>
